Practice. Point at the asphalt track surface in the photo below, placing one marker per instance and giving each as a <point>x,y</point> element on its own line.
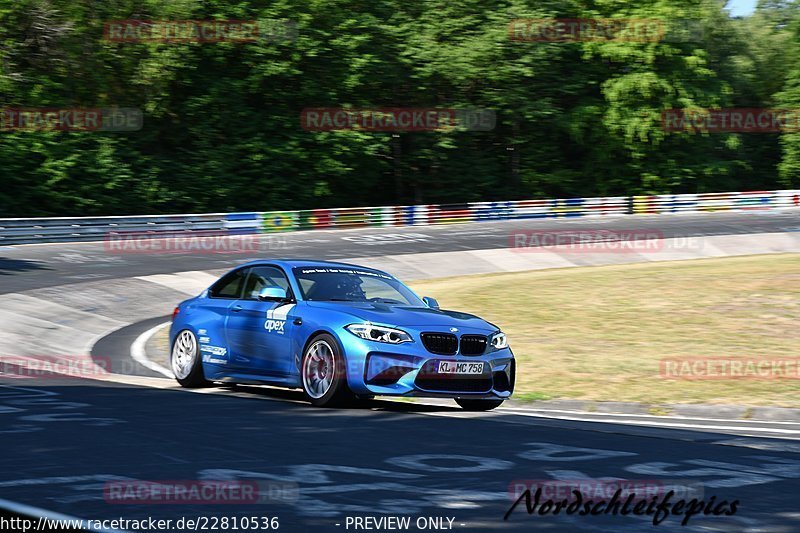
<point>67,440</point>
<point>64,439</point>
<point>26,267</point>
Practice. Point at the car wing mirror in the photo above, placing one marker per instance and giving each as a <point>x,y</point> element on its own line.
<point>271,294</point>
<point>430,302</point>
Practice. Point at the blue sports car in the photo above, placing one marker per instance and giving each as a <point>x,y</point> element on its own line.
<point>338,332</point>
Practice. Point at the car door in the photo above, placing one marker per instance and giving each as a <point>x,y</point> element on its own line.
<point>214,346</point>
<point>260,332</point>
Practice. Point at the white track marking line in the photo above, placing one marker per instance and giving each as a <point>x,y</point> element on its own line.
<point>791,433</point>
<point>44,514</point>
<point>779,433</point>
<point>761,445</point>
<point>621,415</point>
<point>784,434</point>
<point>139,354</point>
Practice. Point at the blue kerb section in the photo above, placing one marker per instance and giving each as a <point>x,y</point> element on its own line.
<point>408,215</point>
<point>754,201</point>
<point>493,211</point>
<point>241,216</point>
<point>674,206</point>
<point>236,217</point>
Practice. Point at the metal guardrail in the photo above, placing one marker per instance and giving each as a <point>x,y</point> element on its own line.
<point>39,230</point>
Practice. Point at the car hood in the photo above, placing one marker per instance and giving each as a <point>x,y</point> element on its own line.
<point>405,316</point>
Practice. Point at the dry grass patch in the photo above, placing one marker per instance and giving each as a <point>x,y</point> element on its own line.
<point>598,333</point>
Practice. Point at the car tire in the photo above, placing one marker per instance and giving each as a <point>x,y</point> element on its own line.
<point>323,373</point>
<point>185,360</point>
<point>478,405</point>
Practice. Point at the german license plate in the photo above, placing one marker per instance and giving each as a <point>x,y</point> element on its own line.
<point>453,367</point>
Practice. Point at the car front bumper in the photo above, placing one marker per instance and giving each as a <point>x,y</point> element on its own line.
<point>409,370</point>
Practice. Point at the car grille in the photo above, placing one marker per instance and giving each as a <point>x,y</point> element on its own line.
<point>473,344</point>
<point>440,343</point>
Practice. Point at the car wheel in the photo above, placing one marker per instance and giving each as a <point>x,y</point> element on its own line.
<point>478,405</point>
<point>185,360</point>
<point>323,373</point>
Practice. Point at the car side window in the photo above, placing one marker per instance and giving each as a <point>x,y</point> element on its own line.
<point>260,277</point>
<point>229,286</point>
<point>305,284</point>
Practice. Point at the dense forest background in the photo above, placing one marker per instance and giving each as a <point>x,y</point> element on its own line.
<point>222,120</point>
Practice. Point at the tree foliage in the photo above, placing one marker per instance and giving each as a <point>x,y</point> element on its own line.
<point>222,127</point>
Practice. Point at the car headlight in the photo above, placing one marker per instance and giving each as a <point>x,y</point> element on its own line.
<point>499,341</point>
<point>371,332</point>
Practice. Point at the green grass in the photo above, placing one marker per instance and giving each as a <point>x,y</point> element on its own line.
<point>527,396</point>
<point>598,333</point>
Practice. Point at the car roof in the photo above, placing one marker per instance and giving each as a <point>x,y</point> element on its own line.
<point>292,263</point>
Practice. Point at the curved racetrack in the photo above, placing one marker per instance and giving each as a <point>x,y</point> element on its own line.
<point>64,439</point>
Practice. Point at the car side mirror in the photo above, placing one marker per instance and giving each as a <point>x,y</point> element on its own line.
<point>430,302</point>
<point>271,294</point>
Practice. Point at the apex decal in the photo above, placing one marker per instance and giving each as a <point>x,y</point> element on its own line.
<point>275,325</point>
<point>276,318</point>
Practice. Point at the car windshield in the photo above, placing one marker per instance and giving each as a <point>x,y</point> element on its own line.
<point>343,284</point>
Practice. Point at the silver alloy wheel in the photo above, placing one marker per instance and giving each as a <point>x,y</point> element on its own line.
<point>184,352</point>
<point>318,369</point>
